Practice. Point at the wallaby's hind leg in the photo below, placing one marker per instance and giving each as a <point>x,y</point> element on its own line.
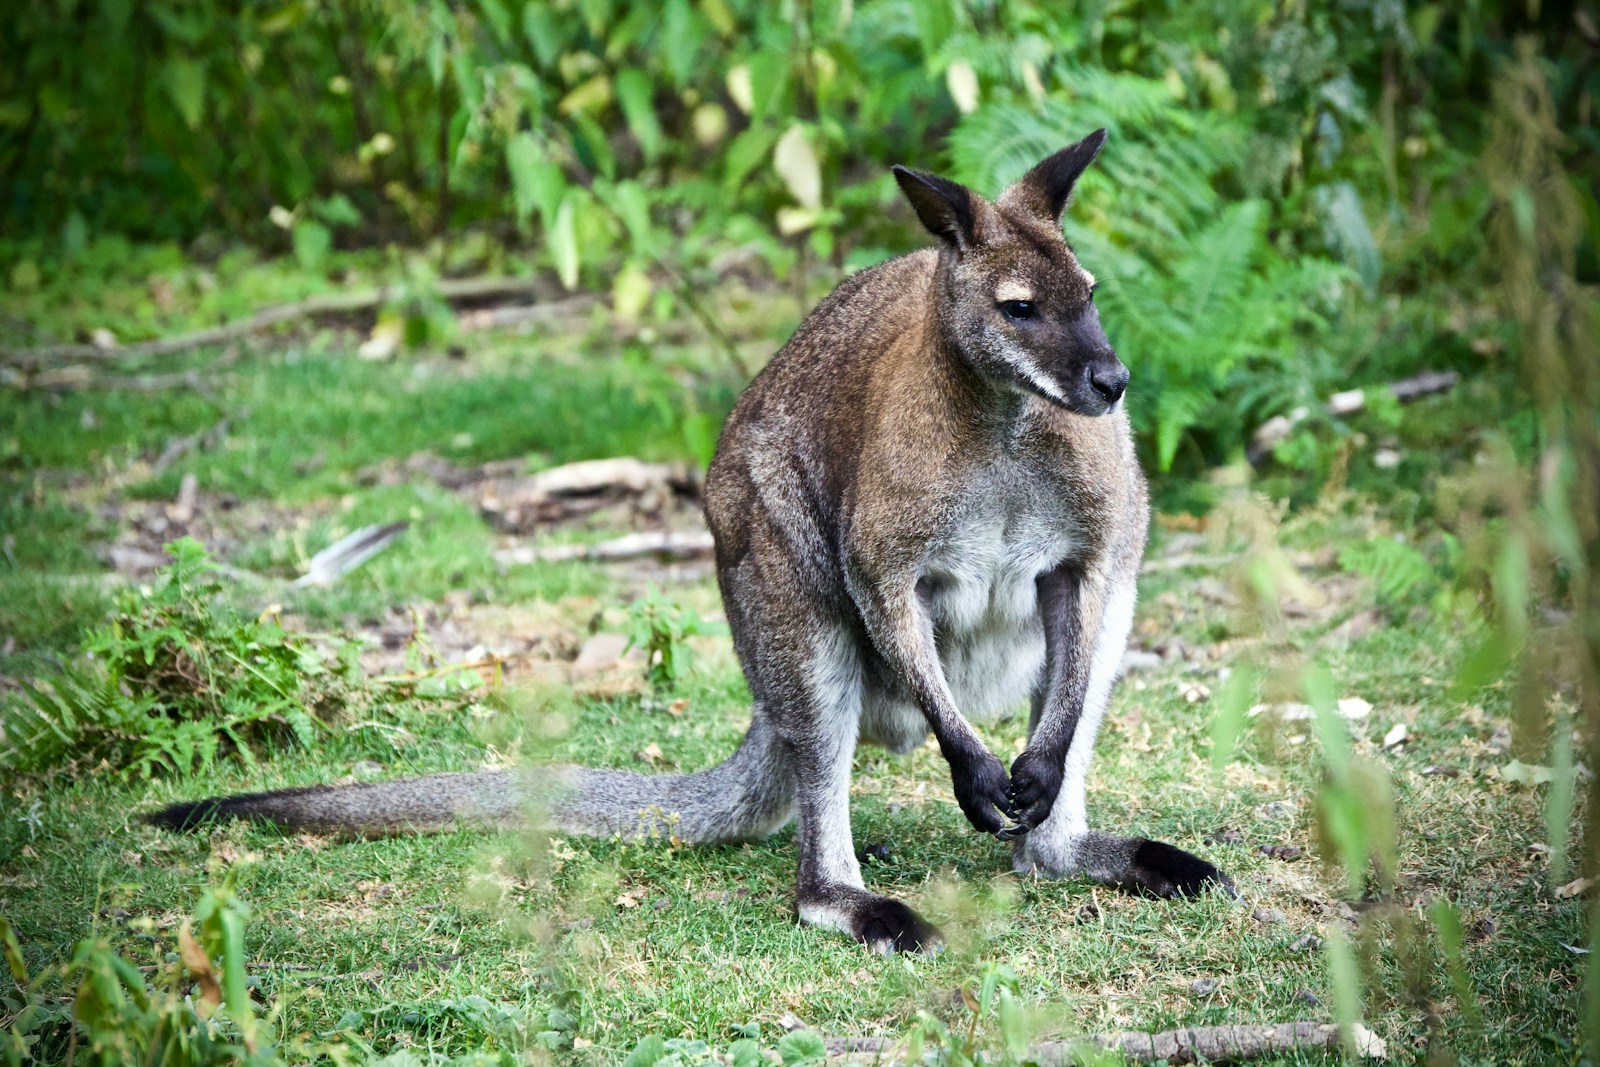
<point>1063,845</point>
<point>830,892</point>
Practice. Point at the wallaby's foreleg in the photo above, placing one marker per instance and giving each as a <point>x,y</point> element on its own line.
<point>1086,661</point>
<point>897,620</point>
<point>1070,609</point>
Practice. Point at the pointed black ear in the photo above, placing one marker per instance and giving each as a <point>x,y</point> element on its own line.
<point>1045,190</point>
<point>944,207</point>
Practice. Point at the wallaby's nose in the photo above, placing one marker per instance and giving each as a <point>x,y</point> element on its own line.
<point>1110,380</point>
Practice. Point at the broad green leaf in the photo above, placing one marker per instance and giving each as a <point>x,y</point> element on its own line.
<point>563,240</point>
<point>522,160</point>
<point>795,159</point>
<point>540,25</point>
<point>630,293</point>
<point>312,240</point>
<point>635,93</point>
<point>746,152</point>
<point>802,1047</point>
<point>186,84</point>
<point>647,1053</point>
<point>681,35</point>
<point>936,21</point>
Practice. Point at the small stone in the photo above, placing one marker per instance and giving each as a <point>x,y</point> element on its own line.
<point>1268,916</point>
<point>1204,987</point>
<point>600,653</point>
<point>1308,998</point>
<point>1305,942</point>
<point>661,903</point>
<point>1286,853</point>
<point>1225,835</point>
<point>1137,659</point>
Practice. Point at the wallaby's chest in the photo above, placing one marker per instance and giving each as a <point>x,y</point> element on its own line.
<point>983,564</point>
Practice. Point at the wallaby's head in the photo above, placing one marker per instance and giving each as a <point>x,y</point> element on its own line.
<point>1010,292</point>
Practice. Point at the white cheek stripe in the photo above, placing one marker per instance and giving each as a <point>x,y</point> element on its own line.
<point>1026,367</point>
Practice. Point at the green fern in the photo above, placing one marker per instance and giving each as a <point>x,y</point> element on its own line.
<point>1396,567</point>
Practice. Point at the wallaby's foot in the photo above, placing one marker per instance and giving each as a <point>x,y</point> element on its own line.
<point>1163,870</point>
<point>1135,864</point>
<point>883,924</point>
<point>982,788</point>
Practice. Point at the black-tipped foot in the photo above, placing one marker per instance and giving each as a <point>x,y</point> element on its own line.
<point>885,925</point>
<point>1161,870</point>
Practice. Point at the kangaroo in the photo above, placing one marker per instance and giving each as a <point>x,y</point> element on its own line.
<point>926,506</point>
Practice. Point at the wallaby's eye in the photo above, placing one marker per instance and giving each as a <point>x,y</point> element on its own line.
<point>1092,288</point>
<point>1017,310</point>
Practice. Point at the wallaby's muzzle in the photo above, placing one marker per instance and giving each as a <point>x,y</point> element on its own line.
<point>1109,380</point>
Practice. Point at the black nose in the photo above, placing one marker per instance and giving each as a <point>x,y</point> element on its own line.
<point>1110,380</point>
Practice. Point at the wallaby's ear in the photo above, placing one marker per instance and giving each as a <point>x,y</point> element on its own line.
<point>1045,190</point>
<point>944,207</point>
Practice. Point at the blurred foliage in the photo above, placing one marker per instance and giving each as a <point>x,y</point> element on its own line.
<point>1290,200</point>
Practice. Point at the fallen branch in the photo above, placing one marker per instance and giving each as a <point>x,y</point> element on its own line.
<point>312,307</point>
<point>517,505</point>
<point>1276,430</point>
<point>1198,1044</point>
<point>676,545</point>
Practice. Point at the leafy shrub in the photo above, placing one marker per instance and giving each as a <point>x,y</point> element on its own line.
<point>175,680</point>
<point>99,1008</point>
<point>662,627</point>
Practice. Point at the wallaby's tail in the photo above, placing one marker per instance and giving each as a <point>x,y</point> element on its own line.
<point>748,795</point>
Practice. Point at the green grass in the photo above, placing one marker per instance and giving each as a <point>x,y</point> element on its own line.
<point>604,942</point>
<point>378,936</point>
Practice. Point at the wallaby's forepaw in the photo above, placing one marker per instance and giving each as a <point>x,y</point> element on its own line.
<point>885,925</point>
<point>1164,871</point>
<point>1035,782</point>
<point>982,790</point>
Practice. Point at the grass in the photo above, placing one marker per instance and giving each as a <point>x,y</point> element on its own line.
<point>473,940</point>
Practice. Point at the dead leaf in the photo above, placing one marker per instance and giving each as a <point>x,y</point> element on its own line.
<point>198,964</point>
<point>1368,1044</point>
<point>627,900</point>
<point>1574,888</point>
<point>1395,736</point>
<point>650,754</point>
<point>383,341</point>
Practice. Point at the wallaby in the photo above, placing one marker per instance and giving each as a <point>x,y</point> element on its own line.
<point>926,504</point>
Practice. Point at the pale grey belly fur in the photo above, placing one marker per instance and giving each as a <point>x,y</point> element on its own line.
<point>984,604</point>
